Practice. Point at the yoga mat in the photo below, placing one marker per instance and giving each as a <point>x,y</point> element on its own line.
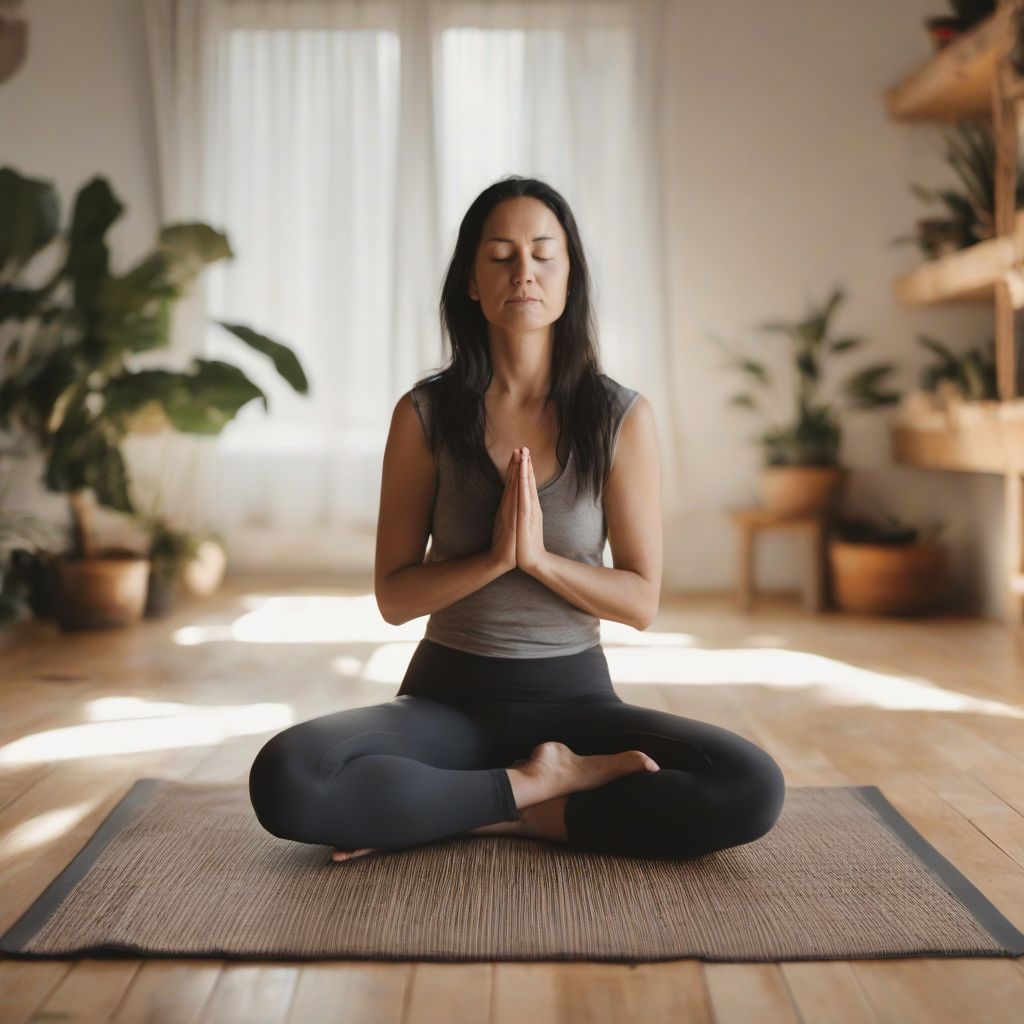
<point>185,869</point>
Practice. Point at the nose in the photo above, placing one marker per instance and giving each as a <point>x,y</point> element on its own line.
<point>521,271</point>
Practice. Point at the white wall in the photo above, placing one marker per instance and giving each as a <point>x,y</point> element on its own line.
<point>785,178</point>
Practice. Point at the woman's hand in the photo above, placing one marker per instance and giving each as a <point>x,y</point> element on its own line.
<point>529,519</point>
<point>503,537</point>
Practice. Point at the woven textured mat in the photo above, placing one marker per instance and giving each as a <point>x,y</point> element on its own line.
<point>185,869</point>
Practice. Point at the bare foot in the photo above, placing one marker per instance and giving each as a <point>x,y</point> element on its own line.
<point>553,770</point>
<point>340,854</point>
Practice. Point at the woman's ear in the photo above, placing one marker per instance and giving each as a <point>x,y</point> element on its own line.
<point>472,289</point>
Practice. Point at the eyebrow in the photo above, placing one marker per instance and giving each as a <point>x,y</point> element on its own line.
<point>539,238</point>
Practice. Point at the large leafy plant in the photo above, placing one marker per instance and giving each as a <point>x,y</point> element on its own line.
<point>812,437</point>
<point>67,378</point>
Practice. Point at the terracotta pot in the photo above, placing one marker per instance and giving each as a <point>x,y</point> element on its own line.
<point>888,579</point>
<point>800,490</point>
<point>104,592</point>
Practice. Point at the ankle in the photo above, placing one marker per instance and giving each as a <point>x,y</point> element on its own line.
<point>529,788</point>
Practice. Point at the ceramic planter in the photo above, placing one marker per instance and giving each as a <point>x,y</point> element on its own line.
<point>100,593</point>
<point>800,490</point>
<point>888,579</point>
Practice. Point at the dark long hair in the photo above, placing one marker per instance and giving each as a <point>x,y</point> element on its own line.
<point>583,400</point>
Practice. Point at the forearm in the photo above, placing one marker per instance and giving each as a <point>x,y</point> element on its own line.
<point>617,594</point>
<point>417,590</point>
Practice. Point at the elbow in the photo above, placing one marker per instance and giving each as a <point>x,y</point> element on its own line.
<point>647,618</point>
<point>387,613</point>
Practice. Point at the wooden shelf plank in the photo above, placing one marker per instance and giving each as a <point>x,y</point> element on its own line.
<point>967,275</point>
<point>956,81</point>
<point>942,449</point>
<point>978,437</point>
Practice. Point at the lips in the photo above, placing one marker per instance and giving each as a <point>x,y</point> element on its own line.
<point>521,302</point>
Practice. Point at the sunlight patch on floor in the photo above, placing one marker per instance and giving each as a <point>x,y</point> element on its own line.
<point>127,725</point>
<point>634,656</point>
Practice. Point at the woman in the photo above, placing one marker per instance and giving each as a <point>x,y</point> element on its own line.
<point>518,460</point>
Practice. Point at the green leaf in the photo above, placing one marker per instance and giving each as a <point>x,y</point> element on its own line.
<point>791,330</point>
<point>86,454</point>
<point>743,401</point>
<point>807,365</point>
<point>936,346</point>
<point>864,390</point>
<point>96,208</point>
<point>284,359</point>
<point>756,370</point>
<point>845,344</point>
<point>29,219</point>
<point>187,248</point>
<point>135,332</point>
<point>200,402</point>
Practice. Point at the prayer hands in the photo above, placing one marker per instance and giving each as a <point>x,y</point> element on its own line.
<point>518,537</point>
<point>529,518</point>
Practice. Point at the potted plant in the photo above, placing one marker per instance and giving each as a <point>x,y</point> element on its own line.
<point>181,558</point>
<point>971,153</point>
<point>945,28</point>
<point>957,396</point>
<point>68,379</point>
<point>170,549</point>
<point>25,579</point>
<point>801,472</point>
<point>885,565</point>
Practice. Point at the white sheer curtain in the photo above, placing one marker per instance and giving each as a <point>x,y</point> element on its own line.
<point>339,143</point>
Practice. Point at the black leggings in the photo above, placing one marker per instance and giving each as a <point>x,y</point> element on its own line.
<point>431,762</point>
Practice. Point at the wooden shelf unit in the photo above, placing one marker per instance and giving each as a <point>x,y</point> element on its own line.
<point>973,78</point>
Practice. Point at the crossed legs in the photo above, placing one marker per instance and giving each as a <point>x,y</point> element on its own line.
<point>413,770</point>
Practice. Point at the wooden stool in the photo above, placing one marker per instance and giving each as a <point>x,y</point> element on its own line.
<point>749,522</point>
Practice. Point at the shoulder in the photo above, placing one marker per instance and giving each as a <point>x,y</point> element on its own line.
<point>623,398</point>
<point>422,397</point>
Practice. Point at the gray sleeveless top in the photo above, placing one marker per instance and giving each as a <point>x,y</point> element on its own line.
<point>515,615</point>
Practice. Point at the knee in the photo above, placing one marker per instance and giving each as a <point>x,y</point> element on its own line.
<point>273,791</point>
<point>763,788</point>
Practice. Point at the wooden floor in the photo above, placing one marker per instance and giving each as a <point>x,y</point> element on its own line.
<point>931,711</point>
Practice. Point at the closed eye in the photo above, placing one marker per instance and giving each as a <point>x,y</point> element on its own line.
<point>542,259</point>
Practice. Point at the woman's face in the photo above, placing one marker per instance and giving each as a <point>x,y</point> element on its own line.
<point>522,252</point>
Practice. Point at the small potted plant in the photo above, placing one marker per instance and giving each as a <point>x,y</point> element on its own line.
<point>801,472</point>
<point>957,396</point>
<point>69,381</point>
<point>971,153</point>
<point>170,550</point>
<point>25,577</point>
<point>945,29</point>
<point>881,564</point>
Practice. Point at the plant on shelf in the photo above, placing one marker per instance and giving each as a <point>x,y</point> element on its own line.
<point>955,391</point>
<point>801,471</point>
<point>971,152</point>
<point>945,28</point>
<point>883,564</point>
<point>972,375</point>
<point>67,376</point>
